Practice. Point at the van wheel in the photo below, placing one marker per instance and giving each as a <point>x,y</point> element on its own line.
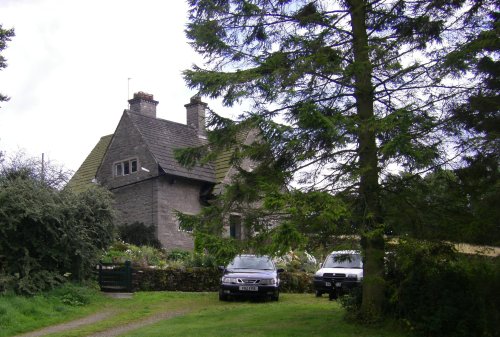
<point>275,297</point>
<point>318,293</point>
<point>332,296</point>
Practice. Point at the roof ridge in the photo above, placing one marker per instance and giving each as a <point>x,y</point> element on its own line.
<point>159,119</point>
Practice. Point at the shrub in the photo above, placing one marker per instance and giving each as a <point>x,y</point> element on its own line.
<point>351,302</point>
<point>46,233</point>
<point>200,260</point>
<point>297,261</point>
<point>143,256</point>
<point>438,292</point>
<point>74,295</point>
<point>178,255</point>
<point>296,282</point>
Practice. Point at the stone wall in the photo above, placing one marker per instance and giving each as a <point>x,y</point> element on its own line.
<point>207,279</point>
<point>137,202</point>
<point>146,195</point>
<point>176,194</point>
<point>127,143</point>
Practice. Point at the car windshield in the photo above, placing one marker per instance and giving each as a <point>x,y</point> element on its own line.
<point>251,262</point>
<point>343,261</point>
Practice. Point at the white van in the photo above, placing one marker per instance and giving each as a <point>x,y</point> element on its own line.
<point>340,272</point>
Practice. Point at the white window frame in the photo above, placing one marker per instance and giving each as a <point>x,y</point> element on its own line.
<point>119,167</point>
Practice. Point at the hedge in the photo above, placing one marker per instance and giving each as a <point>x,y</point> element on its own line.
<point>440,293</point>
<point>206,279</point>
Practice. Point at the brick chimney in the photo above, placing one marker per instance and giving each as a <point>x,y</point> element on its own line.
<point>195,111</point>
<point>143,104</point>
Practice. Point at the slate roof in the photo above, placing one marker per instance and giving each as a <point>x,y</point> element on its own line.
<point>163,136</point>
<point>223,161</point>
<point>87,171</point>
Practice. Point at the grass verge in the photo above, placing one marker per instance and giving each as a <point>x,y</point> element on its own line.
<point>20,314</point>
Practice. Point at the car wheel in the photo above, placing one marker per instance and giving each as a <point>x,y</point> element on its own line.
<point>222,297</point>
<point>318,293</point>
<point>275,297</point>
<point>332,296</point>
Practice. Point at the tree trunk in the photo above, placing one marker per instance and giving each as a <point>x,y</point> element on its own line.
<point>372,241</point>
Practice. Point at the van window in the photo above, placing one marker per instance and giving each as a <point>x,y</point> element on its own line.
<point>343,261</point>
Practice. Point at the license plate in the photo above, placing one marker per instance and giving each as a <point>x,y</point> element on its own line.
<point>328,284</point>
<point>338,284</point>
<point>249,288</point>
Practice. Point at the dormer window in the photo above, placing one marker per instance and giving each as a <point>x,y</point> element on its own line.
<point>126,167</point>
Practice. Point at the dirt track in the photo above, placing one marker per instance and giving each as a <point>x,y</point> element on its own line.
<point>99,317</point>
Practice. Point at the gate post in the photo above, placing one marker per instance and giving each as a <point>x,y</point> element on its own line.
<point>100,274</point>
<point>128,276</point>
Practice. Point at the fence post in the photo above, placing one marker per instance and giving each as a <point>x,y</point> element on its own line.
<point>100,274</point>
<point>128,276</point>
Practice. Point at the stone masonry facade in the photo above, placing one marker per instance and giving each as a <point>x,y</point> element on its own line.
<point>153,186</point>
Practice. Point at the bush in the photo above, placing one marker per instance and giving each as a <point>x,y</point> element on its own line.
<point>298,261</point>
<point>296,282</point>
<point>140,257</point>
<point>200,260</point>
<point>74,295</point>
<point>351,302</point>
<point>46,233</point>
<point>178,255</point>
<point>438,292</point>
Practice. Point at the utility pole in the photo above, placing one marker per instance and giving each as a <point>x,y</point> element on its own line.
<point>43,167</point>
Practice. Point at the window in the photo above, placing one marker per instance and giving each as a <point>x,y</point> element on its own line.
<point>125,167</point>
<point>119,169</point>
<point>235,226</point>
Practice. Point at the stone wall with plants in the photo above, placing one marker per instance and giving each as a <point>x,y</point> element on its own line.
<point>179,270</point>
<point>206,279</point>
<point>176,279</point>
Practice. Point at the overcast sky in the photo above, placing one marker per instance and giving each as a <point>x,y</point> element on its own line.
<point>68,69</point>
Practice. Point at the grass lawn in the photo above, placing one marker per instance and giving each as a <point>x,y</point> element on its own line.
<point>293,315</point>
<point>201,314</point>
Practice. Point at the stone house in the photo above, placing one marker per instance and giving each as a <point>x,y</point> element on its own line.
<point>137,164</point>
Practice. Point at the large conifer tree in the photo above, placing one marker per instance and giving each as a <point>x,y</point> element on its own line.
<point>342,91</point>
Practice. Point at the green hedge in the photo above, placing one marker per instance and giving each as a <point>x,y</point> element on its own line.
<point>438,292</point>
<point>176,279</point>
<point>206,279</point>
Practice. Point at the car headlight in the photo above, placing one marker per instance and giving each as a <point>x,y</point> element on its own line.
<point>267,281</point>
<point>229,280</point>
